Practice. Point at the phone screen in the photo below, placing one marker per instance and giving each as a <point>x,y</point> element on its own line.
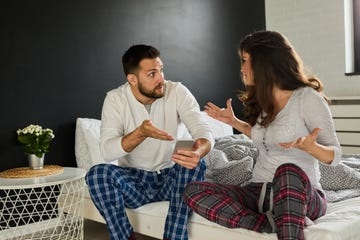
<point>181,144</point>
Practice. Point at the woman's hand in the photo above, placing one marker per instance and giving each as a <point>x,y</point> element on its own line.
<point>225,115</point>
<point>306,143</point>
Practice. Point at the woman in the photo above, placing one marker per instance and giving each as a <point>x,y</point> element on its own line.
<point>289,121</point>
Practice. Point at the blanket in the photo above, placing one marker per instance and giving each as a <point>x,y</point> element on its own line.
<point>342,181</point>
<point>231,161</point>
<point>233,158</point>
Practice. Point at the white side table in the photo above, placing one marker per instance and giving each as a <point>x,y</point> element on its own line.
<point>43,207</point>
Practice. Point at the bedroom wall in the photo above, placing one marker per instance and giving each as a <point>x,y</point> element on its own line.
<point>59,58</point>
<point>316,30</point>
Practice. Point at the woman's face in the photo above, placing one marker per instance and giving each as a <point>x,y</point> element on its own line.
<point>246,71</point>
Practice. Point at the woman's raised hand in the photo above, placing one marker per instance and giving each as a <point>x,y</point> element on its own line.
<point>225,115</point>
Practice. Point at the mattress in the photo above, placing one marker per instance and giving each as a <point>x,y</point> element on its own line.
<point>342,222</point>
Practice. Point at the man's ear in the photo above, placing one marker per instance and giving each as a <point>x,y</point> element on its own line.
<point>132,79</point>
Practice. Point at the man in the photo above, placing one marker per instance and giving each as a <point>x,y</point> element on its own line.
<point>140,121</point>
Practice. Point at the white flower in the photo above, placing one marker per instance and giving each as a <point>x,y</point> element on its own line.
<point>36,140</point>
<point>36,130</point>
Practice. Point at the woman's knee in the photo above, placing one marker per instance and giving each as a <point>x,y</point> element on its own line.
<point>199,188</point>
<point>195,190</point>
<point>287,168</point>
<point>290,173</point>
<point>190,189</point>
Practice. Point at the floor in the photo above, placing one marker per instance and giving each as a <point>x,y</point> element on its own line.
<point>95,231</point>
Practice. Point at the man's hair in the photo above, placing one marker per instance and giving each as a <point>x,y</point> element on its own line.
<point>136,53</point>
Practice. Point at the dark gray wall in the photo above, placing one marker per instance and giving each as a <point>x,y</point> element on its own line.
<point>59,58</point>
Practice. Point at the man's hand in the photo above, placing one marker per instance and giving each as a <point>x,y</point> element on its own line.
<point>130,141</point>
<point>147,129</point>
<point>190,158</point>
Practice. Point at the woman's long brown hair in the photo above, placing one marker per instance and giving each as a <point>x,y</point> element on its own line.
<point>274,62</point>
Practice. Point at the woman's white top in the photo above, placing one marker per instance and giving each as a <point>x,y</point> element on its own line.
<point>305,110</point>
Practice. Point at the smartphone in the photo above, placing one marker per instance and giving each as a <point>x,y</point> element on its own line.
<point>184,144</point>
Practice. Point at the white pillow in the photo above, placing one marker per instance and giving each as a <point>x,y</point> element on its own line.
<point>87,149</point>
<point>218,128</point>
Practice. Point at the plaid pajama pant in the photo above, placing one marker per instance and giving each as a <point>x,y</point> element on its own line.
<point>112,188</point>
<point>281,206</point>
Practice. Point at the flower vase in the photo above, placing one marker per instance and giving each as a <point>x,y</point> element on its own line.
<point>36,162</point>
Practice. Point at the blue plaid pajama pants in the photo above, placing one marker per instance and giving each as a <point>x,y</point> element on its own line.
<point>280,206</point>
<point>113,188</point>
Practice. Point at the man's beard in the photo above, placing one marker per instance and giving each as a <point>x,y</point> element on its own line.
<point>152,93</point>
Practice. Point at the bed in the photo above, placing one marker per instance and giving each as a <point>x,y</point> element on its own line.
<point>342,184</point>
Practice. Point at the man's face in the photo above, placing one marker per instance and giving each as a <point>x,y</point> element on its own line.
<point>150,78</point>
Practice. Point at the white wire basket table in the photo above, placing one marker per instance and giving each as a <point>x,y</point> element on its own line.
<point>40,208</point>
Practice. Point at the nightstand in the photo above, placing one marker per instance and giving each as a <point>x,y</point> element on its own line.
<point>47,207</point>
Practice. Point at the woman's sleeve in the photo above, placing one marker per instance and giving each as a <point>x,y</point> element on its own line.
<point>316,113</point>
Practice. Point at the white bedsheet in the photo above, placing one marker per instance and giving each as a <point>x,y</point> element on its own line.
<point>342,222</point>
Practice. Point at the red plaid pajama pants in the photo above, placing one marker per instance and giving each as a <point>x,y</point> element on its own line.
<point>287,201</point>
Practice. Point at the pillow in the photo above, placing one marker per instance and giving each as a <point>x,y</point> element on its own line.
<point>218,128</point>
<point>87,149</point>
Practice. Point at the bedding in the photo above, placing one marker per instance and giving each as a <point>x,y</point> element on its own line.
<point>341,222</point>
<point>345,175</point>
<point>231,161</point>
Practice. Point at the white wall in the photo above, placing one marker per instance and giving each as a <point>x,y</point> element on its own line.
<point>316,30</point>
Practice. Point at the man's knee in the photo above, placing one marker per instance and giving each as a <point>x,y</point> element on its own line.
<point>97,171</point>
